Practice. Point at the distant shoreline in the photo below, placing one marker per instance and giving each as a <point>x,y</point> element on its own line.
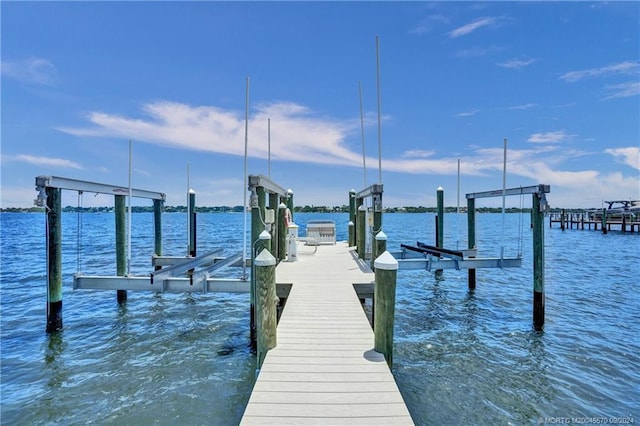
<point>298,209</point>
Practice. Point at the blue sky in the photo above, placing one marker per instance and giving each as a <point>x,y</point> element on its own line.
<point>559,80</point>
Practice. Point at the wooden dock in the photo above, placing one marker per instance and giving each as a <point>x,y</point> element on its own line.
<point>324,369</point>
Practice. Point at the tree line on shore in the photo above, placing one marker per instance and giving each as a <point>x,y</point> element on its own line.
<point>239,209</point>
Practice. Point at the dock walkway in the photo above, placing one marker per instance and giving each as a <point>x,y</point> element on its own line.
<point>324,369</point>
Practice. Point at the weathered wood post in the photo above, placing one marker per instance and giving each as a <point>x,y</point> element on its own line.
<point>604,221</point>
<point>381,243</point>
<point>440,218</point>
<point>282,232</point>
<point>290,203</point>
<point>257,202</point>
<point>352,233</point>
<point>157,227</point>
<point>562,220</point>
<point>275,229</point>
<point>121,242</point>
<point>377,220</point>
<point>440,223</point>
<point>361,231</point>
<point>356,229</point>
<point>54,259</point>
<point>538,262</point>
<point>624,222</point>
<point>386,267</point>
<point>192,223</point>
<point>266,303</point>
<point>352,218</point>
<point>471,232</point>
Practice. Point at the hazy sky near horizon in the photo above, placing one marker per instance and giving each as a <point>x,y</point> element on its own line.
<point>559,80</point>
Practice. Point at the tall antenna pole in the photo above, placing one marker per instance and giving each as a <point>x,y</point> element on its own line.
<point>458,209</point>
<point>504,189</point>
<point>129,224</point>
<point>364,158</point>
<point>244,182</point>
<point>188,208</point>
<point>379,121</point>
<point>269,144</point>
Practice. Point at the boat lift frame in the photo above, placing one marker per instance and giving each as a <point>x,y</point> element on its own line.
<point>430,257</point>
<point>172,273</point>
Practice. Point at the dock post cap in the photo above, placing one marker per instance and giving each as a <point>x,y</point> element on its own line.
<point>351,223</point>
<point>352,191</point>
<point>440,188</point>
<point>265,258</point>
<point>282,206</point>
<point>264,235</point>
<point>362,208</point>
<point>191,191</point>
<point>386,262</point>
<point>381,236</point>
<point>289,191</point>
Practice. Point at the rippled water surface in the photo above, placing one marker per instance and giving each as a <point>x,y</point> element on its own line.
<point>460,357</point>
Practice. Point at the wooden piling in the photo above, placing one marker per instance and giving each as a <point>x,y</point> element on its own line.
<point>440,218</point>
<point>352,217</point>
<point>471,232</point>
<point>275,229</point>
<point>440,223</point>
<point>377,223</point>
<point>386,271</point>
<point>282,233</point>
<point>121,242</point>
<point>266,304</point>
<point>158,206</point>
<point>538,264</point>
<point>257,213</point>
<point>604,221</point>
<point>54,259</point>
<point>290,202</point>
<point>381,243</point>
<point>192,223</point>
<point>361,232</point>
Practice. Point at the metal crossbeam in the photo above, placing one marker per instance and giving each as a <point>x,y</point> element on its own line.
<point>371,190</point>
<point>266,183</point>
<point>168,285</point>
<point>536,189</point>
<point>434,263</point>
<point>43,182</point>
<point>182,268</point>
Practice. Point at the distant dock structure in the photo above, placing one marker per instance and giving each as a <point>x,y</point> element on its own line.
<point>620,215</point>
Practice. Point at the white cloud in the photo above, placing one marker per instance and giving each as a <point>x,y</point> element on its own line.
<point>428,24</point>
<point>38,71</point>
<point>522,107</point>
<point>468,113</point>
<point>469,28</point>
<point>296,133</point>
<point>516,63</point>
<point>624,90</point>
<point>626,67</point>
<point>420,153</point>
<point>45,161</point>
<point>629,155</point>
<point>476,52</point>
<point>299,135</point>
<point>549,137</point>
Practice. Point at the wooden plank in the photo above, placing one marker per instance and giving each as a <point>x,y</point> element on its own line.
<point>324,369</point>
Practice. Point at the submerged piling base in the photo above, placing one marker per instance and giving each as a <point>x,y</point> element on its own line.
<point>538,310</point>
<point>54,316</point>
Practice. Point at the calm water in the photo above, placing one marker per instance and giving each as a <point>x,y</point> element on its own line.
<point>460,357</point>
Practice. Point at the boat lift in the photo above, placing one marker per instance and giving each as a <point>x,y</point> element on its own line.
<point>426,257</point>
<point>171,273</point>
